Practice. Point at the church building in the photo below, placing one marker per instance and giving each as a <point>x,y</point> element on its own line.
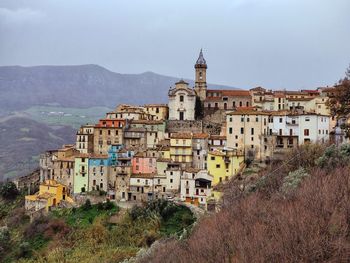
<point>182,98</point>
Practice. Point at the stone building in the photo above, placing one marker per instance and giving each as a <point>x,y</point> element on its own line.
<point>159,112</point>
<point>106,133</point>
<point>85,139</point>
<point>247,131</point>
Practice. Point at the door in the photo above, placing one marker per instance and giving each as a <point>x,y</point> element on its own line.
<point>181,116</point>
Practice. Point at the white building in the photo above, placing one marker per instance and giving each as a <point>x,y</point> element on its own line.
<point>182,100</point>
<point>313,128</point>
<point>292,129</point>
<point>196,186</point>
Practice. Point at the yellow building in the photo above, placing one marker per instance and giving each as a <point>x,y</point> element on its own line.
<point>222,165</point>
<point>158,111</point>
<point>181,148</point>
<point>51,193</point>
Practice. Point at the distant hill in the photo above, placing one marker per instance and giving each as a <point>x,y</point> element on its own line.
<point>79,86</point>
<point>22,140</point>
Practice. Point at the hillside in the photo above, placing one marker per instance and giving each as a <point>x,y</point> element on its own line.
<point>297,211</point>
<point>79,86</point>
<point>23,139</point>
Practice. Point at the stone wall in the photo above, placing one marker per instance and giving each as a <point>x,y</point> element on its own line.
<point>198,126</point>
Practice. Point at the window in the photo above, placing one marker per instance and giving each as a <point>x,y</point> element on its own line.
<point>209,106</point>
<point>100,132</point>
<point>234,104</point>
<point>248,119</point>
<point>242,130</point>
<point>240,104</point>
<point>218,166</point>
<point>252,131</point>
<point>230,119</point>
<point>306,132</point>
<point>181,98</point>
<point>257,119</point>
<point>212,158</point>
<point>281,120</point>
<point>307,118</point>
<point>171,181</point>
<point>230,130</point>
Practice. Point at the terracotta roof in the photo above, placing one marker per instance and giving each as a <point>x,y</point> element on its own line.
<point>247,112</point>
<point>200,135</point>
<point>217,153</point>
<point>217,137</point>
<point>156,105</point>
<point>147,122</point>
<point>192,170</point>
<point>310,91</point>
<point>300,99</point>
<point>230,92</point>
<point>181,136</point>
<point>143,176</point>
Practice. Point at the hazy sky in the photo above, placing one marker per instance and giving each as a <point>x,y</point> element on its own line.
<point>290,44</point>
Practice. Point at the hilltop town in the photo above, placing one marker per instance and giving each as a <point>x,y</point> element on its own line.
<point>185,150</point>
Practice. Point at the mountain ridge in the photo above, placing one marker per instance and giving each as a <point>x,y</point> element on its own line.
<point>81,86</point>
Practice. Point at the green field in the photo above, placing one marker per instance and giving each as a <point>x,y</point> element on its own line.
<point>74,117</point>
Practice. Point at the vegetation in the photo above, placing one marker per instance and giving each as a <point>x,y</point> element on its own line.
<point>91,233</point>
<point>74,117</point>
<point>297,211</point>
<point>9,190</point>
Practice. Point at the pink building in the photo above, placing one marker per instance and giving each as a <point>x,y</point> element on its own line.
<point>142,163</point>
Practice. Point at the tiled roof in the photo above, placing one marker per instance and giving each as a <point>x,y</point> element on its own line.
<point>192,170</point>
<point>230,92</point>
<point>300,99</point>
<point>247,112</point>
<point>156,105</point>
<point>217,137</point>
<point>143,176</point>
<point>181,135</point>
<point>200,135</point>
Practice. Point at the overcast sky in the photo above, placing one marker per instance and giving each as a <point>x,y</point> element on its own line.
<point>290,44</point>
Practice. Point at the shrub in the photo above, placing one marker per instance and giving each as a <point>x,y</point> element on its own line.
<point>4,238</point>
<point>24,250</point>
<point>293,179</point>
<point>9,190</point>
<point>87,205</point>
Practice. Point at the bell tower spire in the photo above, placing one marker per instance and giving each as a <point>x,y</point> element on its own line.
<point>201,76</point>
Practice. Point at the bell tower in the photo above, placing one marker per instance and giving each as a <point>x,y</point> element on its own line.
<point>201,77</point>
